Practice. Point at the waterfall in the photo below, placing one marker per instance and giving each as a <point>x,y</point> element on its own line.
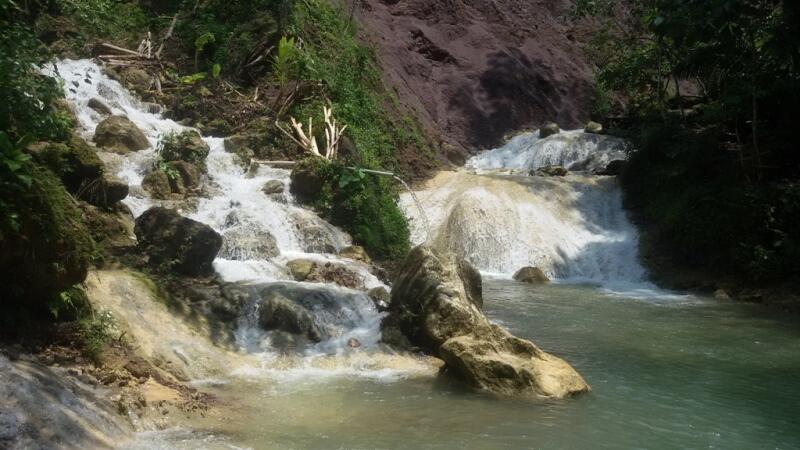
<point>261,233</point>
<point>573,227</point>
<point>575,150</point>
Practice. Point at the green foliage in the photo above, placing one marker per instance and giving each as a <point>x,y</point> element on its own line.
<point>284,63</point>
<point>364,204</point>
<point>193,78</point>
<point>108,19</point>
<point>97,331</point>
<point>28,98</point>
<point>201,43</point>
<point>184,146</point>
<point>171,173</point>
<point>712,173</point>
<point>349,70</point>
<point>49,248</point>
<point>14,178</point>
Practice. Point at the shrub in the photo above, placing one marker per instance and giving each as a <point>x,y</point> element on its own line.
<point>185,146</point>
<point>363,204</point>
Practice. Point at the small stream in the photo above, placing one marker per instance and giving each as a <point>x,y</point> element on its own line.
<point>667,370</point>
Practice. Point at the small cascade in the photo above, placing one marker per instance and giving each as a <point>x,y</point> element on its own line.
<point>262,232</point>
<point>575,150</point>
<point>573,227</point>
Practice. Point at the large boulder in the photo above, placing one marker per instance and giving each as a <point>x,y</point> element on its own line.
<point>49,249</point>
<point>533,275</point>
<point>277,312</point>
<point>430,306</point>
<point>134,78</point>
<point>118,134</point>
<point>176,242</point>
<point>186,174</point>
<point>242,244</point>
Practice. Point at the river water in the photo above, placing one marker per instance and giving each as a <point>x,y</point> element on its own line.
<point>667,370</point>
<point>666,373</point>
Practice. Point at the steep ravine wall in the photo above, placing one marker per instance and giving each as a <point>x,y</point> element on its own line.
<point>475,70</point>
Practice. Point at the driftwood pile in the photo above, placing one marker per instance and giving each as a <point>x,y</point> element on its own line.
<point>143,57</point>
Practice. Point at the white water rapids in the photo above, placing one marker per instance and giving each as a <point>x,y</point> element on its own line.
<point>500,218</point>
<point>235,206</point>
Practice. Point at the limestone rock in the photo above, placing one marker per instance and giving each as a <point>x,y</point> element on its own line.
<point>188,173</point>
<point>300,268</point>
<point>104,191</point>
<point>549,129</point>
<point>613,168</point>
<point>431,308</point>
<point>551,171</point>
<point>157,184</point>
<point>240,145</point>
<point>179,243</point>
<point>276,312</point>
<point>380,297</point>
<point>273,187</point>
<point>118,134</point>
<point>133,78</point>
<point>508,365</point>
<point>533,275</point>
<point>316,239</point>
<point>356,253</point>
<point>241,244</point>
<point>153,108</point>
<point>110,227</point>
<point>98,105</point>
<point>473,283</point>
<point>593,127</point>
<point>313,271</point>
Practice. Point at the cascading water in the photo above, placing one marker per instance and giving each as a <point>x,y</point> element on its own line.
<point>573,227</point>
<point>574,150</point>
<point>261,233</point>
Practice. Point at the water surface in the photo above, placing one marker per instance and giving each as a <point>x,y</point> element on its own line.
<point>666,372</point>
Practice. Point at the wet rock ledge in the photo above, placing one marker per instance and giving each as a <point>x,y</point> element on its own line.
<point>436,307</point>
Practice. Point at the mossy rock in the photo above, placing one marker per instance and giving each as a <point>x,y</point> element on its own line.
<point>157,184</point>
<point>308,179</point>
<point>118,134</point>
<point>75,162</point>
<point>549,129</point>
<point>185,146</point>
<point>104,191</point>
<point>50,250</point>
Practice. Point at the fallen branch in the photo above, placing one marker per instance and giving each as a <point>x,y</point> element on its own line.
<point>305,138</point>
<point>167,36</point>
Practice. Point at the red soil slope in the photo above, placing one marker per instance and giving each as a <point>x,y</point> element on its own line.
<point>475,70</point>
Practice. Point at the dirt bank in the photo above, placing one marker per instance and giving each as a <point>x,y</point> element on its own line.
<point>477,69</point>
